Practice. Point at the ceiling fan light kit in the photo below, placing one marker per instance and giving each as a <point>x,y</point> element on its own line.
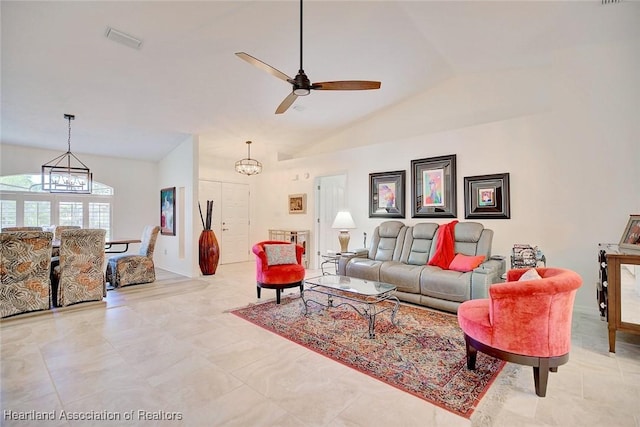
<point>301,85</point>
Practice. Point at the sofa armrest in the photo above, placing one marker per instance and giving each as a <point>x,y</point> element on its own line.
<point>360,253</point>
<point>486,274</point>
<point>345,257</point>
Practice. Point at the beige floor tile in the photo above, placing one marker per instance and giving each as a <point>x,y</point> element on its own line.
<point>172,346</point>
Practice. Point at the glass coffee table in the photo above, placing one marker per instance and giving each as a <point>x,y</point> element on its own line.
<point>364,296</point>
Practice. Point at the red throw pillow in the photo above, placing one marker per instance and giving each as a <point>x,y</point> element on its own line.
<point>464,263</point>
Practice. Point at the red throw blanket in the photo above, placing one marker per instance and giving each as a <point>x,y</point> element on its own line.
<point>445,247</point>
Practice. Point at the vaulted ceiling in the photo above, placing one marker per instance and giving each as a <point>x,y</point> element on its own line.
<point>185,79</point>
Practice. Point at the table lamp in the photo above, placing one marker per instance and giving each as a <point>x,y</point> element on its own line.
<point>343,222</point>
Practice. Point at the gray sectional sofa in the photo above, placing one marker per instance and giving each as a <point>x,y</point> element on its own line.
<point>399,255</point>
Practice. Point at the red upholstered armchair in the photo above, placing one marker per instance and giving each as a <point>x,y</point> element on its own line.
<point>278,266</point>
<point>526,322</point>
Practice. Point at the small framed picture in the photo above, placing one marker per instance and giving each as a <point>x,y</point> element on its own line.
<point>297,203</point>
<point>386,194</point>
<point>631,236</point>
<point>487,196</point>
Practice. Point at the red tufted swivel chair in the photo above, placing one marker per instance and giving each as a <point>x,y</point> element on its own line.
<point>274,273</point>
<point>525,322</point>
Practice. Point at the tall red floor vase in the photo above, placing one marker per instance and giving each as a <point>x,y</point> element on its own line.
<point>209,252</point>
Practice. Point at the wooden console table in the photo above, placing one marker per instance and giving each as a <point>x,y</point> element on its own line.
<point>620,296</point>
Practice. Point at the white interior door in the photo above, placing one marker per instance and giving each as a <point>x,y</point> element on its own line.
<point>330,198</point>
<point>230,218</point>
<point>235,223</point>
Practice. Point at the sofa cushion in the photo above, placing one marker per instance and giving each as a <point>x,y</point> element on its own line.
<point>465,263</point>
<point>364,268</point>
<point>417,243</point>
<point>446,284</point>
<point>405,277</point>
<point>280,254</point>
<point>469,239</point>
<point>387,241</point>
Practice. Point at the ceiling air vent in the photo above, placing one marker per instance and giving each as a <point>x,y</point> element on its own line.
<point>123,38</point>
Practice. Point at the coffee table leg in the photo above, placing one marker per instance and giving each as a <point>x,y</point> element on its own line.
<point>394,311</point>
<point>329,301</point>
<point>304,301</point>
<point>372,326</point>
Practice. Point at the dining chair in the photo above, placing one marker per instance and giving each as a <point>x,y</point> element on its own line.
<point>56,236</point>
<point>78,277</point>
<point>126,269</point>
<point>25,260</point>
<point>22,229</point>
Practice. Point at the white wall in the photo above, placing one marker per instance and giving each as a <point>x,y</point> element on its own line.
<point>179,169</point>
<point>571,147</point>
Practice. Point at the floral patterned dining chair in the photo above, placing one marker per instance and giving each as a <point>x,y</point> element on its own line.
<point>56,236</point>
<point>126,269</point>
<point>22,229</point>
<point>25,260</point>
<point>79,276</point>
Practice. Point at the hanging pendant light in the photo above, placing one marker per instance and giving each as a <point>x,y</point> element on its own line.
<point>66,173</point>
<point>248,166</point>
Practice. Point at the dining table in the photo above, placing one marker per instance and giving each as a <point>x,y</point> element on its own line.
<point>111,246</point>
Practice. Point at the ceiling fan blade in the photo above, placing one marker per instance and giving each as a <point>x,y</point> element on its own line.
<point>263,66</point>
<point>284,105</point>
<point>347,85</point>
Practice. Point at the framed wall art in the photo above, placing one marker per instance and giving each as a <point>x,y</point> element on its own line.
<point>487,196</point>
<point>386,194</point>
<point>631,236</point>
<point>433,182</point>
<point>168,211</point>
<point>297,203</point>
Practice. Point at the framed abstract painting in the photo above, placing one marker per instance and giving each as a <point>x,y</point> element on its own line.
<point>386,194</point>
<point>433,182</point>
<point>487,196</point>
<point>168,211</point>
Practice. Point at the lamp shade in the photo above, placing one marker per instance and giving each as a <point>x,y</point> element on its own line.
<point>343,221</point>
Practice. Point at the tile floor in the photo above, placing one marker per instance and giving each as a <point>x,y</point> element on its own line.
<point>169,353</point>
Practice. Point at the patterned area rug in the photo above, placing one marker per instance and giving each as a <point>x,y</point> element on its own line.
<point>424,355</point>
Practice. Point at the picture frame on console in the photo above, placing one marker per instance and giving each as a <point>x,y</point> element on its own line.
<point>631,237</point>
<point>386,194</point>
<point>487,197</point>
<point>168,211</point>
<point>433,187</point>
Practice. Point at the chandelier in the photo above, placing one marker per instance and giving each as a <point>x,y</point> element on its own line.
<point>66,173</point>
<point>248,166</point>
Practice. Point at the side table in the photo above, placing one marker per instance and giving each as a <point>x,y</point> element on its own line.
<point>329,260</point>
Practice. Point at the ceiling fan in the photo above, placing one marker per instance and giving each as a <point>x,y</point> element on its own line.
<point>302,86</point>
